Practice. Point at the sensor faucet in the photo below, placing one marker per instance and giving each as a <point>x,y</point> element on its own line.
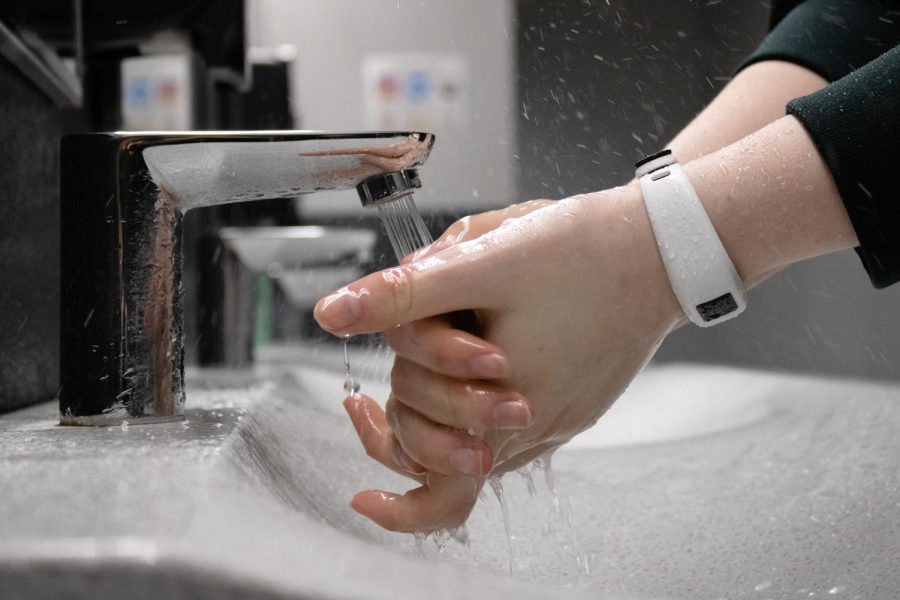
<point>123,197</point>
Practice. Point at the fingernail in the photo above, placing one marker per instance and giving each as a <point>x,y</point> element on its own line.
<point>512,414</point>
<point>406,463</point>
<point>340,309</point>
<point>358,501</point>
<point>466,461</point>
<point>489,366</point>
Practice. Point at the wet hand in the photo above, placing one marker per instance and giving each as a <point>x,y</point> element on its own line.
<point>571,299</point>
<point>442,501</point>
<point>459,461</point>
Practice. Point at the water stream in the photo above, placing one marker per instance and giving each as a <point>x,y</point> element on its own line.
<point>351,385</point>
<point>497,487</point>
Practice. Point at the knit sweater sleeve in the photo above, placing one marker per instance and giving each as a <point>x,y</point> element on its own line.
<point>831,37</point>
<point>855,124</point>
<point>854,121</point>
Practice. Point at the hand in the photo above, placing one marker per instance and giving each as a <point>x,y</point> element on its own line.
<point>458,461</point>
<point>473,226</point>
<point>572,295</point>
<point>447,344</point>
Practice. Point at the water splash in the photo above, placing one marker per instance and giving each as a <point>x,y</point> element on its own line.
<point>497,487</point>
<point>527,473</point>
<point>461,535</point>
<point>441,539</point>
<point>351,385</point>
<point>562,514</point>
<point>545,464</point>
<point>420,537</point>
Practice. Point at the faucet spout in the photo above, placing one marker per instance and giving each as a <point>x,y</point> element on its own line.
<point>123,198</point>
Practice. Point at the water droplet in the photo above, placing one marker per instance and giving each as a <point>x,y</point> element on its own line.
<point>351,386</point>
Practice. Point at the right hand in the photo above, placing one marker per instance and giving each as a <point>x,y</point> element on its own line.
<point>573,295</point>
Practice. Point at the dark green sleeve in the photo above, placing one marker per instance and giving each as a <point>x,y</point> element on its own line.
<point>780,9</point>
<point>855,121</point>
<point>855,124</point>
<point>831,37</point>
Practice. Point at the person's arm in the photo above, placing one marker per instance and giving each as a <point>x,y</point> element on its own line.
<point>772,199</point>
<point>755,97</point>
<point>435,392</point>
<point>576,295</point>
<point>854,123</point>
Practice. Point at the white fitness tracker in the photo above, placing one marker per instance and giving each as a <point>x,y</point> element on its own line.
<point>702,275</point>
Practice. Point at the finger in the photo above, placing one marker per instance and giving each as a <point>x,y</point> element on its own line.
<point>452,235</point>
<point>462,230</point>
<point>442,503</point>
<point>469,405</point>
<point>470,227</point>
<point>434,344</point>
<point>438,448</point>
<point>377,438</point>
<point>416,290</point>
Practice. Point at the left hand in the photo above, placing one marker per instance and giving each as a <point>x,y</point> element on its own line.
<point>573,296</point>
<point>435,347</point>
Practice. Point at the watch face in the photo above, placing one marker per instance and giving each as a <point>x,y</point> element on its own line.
<point>717,307</point>
<point>650,157</point>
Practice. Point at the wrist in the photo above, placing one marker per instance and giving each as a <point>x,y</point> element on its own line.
<point>703,277</point>
<point>616,232</point>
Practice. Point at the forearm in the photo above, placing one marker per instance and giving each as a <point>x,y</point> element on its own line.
<point>772,200</point>
<point>753,99</point>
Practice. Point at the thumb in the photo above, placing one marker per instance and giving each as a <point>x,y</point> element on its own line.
<point>432,286</point>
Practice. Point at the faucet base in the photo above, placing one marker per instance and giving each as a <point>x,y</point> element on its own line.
<point>112,419</point>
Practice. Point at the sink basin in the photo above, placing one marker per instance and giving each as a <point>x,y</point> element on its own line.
<point>244,499</point>
<point>247,497</point>
<point>666,404</point>
<point>663,404</point>
<point>304,287</point>
<point>297,247</point>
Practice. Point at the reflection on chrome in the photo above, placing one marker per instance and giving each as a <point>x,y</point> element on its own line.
<point>123,199</point>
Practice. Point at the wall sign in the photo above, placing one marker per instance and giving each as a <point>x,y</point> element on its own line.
<point>416,92</point>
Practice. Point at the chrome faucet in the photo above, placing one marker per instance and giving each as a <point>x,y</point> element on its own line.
<point>123,197</point>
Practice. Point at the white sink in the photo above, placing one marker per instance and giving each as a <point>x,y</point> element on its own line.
<point>702,482</point>
<point>663,403</point>
<point>668,403</point>
<point>296,247</point>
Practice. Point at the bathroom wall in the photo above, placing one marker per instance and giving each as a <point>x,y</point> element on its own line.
<point>603,83</point>
<point>473,161</point>
<point>565,96</point>
<point>29,240</point>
